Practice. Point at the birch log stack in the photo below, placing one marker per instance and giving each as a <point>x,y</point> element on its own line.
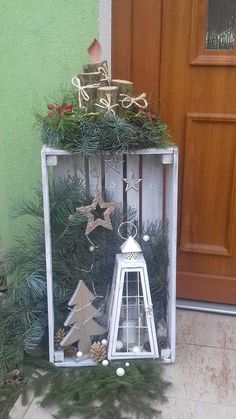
<point>97,92</point>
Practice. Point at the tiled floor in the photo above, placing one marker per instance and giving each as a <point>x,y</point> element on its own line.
<point>203,377</point>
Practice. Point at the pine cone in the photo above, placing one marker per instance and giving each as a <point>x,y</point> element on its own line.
<point>98,352</point>
<point>59,335</point>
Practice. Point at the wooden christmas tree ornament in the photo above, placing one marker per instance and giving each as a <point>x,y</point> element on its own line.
<point>81,319</point>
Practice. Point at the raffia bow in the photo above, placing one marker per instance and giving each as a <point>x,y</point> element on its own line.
<point>128,101</point>
<point>106,104</point>
<point>82,89</point>
<point>104,73</point>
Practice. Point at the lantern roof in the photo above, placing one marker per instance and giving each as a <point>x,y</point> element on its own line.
<point>130,246</point>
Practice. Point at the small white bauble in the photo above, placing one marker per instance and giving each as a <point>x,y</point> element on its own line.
<point>127,364</point>
<point>120,372</point>
<point>79,354</point>
<point>135,349</point>
<point>105,363</point>
<point>119,345</point>
<point>91,249</point>
<point>104,342</point>
<point>146,238</point>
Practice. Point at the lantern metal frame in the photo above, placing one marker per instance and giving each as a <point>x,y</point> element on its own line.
<point>136,264</point>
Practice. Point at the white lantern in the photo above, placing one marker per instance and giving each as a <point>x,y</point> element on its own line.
<point>131,319</point>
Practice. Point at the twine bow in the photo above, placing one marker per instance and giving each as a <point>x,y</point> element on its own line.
<point>128,101</point>
<point>106,104</point>
<point>82,89</point>
<point>104,73</point>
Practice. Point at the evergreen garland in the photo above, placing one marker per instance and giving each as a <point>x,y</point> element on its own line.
<point>90,392</point>
<point>82,132</point>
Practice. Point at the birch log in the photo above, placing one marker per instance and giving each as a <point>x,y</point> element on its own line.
<point>107,99</point>
<point>124,87</point>
<point>102,68</point>
<point>87,79</point>
<point>88,68</point>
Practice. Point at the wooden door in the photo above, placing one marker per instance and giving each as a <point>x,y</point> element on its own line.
<point>183,53</point>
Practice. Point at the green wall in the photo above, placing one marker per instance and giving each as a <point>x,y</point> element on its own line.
<point>43,43</point>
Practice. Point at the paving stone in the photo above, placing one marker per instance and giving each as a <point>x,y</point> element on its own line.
<point>207,329</point>
<point>187,409</point>
<point>203,374</point>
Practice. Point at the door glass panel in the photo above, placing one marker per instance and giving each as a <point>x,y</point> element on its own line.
<point>221,25</point>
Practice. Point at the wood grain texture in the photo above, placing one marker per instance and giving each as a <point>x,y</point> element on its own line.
<point>136,38</point>
<point>81,317</point>
<point>159,58</point>
<point>190,285</point>
<point>208,138</point>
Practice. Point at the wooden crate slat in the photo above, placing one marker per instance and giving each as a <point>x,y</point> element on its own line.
<point>95,174</point>
<point>132,194</point>
<point>171,214</point>
<point>152,184</point>
<point>113,182</point>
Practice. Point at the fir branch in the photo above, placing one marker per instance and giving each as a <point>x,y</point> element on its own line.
<point>87,133</point>
<point>96,392</point>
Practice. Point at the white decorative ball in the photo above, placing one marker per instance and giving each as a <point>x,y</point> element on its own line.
<point>136,349</point>
<point>79,354</point>
<point>120,372</point>
<point>105,362</point>
<point>119,345</point>
<point>146,238</point>
<point>127,364</point>
<point>104,342</point>
<point>91,249</point>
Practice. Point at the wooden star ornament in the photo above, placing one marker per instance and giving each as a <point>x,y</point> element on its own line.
<point>103,219</point>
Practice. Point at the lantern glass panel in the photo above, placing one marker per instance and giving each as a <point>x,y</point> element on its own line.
<point>133,331</point>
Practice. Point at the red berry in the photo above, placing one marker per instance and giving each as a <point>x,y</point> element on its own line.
<point>50,106</point>
<point>68,107</point>
<point>58,108</point>
<point>50,113</point>
<point>153,116</point>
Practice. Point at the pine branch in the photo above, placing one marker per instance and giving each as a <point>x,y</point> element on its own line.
<point>87,133</point>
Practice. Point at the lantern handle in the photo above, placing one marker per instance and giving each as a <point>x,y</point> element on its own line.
<point>130,223</point>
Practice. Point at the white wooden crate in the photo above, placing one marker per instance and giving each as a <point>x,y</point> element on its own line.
<point>158,169</point>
